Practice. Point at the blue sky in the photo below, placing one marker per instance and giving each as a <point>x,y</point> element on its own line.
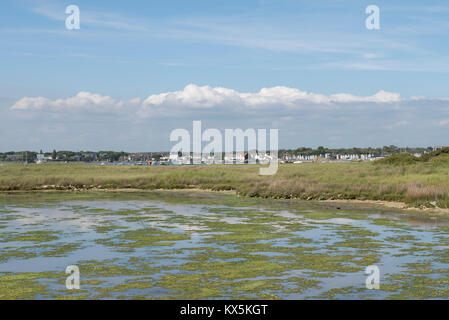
<point>184,50</point>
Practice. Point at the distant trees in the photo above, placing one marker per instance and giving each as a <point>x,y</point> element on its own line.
<point>18,156</point>
<point>386,150</point>
<point>111,155</point>
<point>321,150</point>
<point>65,155</point>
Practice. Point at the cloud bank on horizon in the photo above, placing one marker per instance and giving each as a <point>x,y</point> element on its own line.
<point>303,118</point>
<point>200,97</point>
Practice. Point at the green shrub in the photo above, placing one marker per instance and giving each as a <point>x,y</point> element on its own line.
<point>399,159</point>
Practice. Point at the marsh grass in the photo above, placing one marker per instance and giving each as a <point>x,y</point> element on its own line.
<point>420,183</point>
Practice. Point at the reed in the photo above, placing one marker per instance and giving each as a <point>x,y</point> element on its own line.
<point>415,183</point>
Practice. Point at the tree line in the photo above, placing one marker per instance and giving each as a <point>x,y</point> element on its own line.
<point>379,151</point>
<point>66,155</point>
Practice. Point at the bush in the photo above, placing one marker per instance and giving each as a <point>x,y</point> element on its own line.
<point>437,156</point>
<point>399,159</point>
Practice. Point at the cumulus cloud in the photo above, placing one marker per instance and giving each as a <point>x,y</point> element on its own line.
<point>223,102</point>
<point>194,97</point>
<point>83,101</point>
<point>206,96</point>
<point>303,118</point>
<point>380,97</point>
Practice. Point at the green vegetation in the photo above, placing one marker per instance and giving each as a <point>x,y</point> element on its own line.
<point>399,159</point>
<point>416,181</point>
<point>63,155</point>
<point>35,236</point>
<point>145,238</point>
<point>23,285</point>
<point>385,150</point>
<point>203,245</point>
<point>440,156</point>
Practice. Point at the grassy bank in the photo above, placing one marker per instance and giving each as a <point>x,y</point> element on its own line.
<point>420,183</point>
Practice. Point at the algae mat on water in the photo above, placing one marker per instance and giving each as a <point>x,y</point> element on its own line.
<point>195,245</point>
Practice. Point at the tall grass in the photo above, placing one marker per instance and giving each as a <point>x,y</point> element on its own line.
<point>418,183</point>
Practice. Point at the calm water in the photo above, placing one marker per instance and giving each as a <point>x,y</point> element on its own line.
<point>184,247</point>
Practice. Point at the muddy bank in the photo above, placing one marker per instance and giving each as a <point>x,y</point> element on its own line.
<point>353,202</point>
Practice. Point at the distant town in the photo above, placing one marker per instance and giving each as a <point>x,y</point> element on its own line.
<point>299,155</point>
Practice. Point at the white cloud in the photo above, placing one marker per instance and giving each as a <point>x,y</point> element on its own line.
<point>380,97</point>
<point>304,118</point>
<point>83,101</point>
<point>222,103</point>
<point>193,96</point>
<point>206,98</point>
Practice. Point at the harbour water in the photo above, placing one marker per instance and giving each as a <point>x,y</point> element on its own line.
<point>167,245</point>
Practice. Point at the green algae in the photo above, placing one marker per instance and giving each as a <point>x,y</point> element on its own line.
<point>33,236</point>
<point>28,252</point>
<point>24,285</point>
<point>420,287</point>
<point>111,268</point>
<point>200,286</point>
<point>130,284</point>
<point>59,250</point>
<point>143,238</point>
<point>334,293</point>
<point>261,255</point>
<point>107,229</point>
<point>17,253</point>
<point>401,238</point>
